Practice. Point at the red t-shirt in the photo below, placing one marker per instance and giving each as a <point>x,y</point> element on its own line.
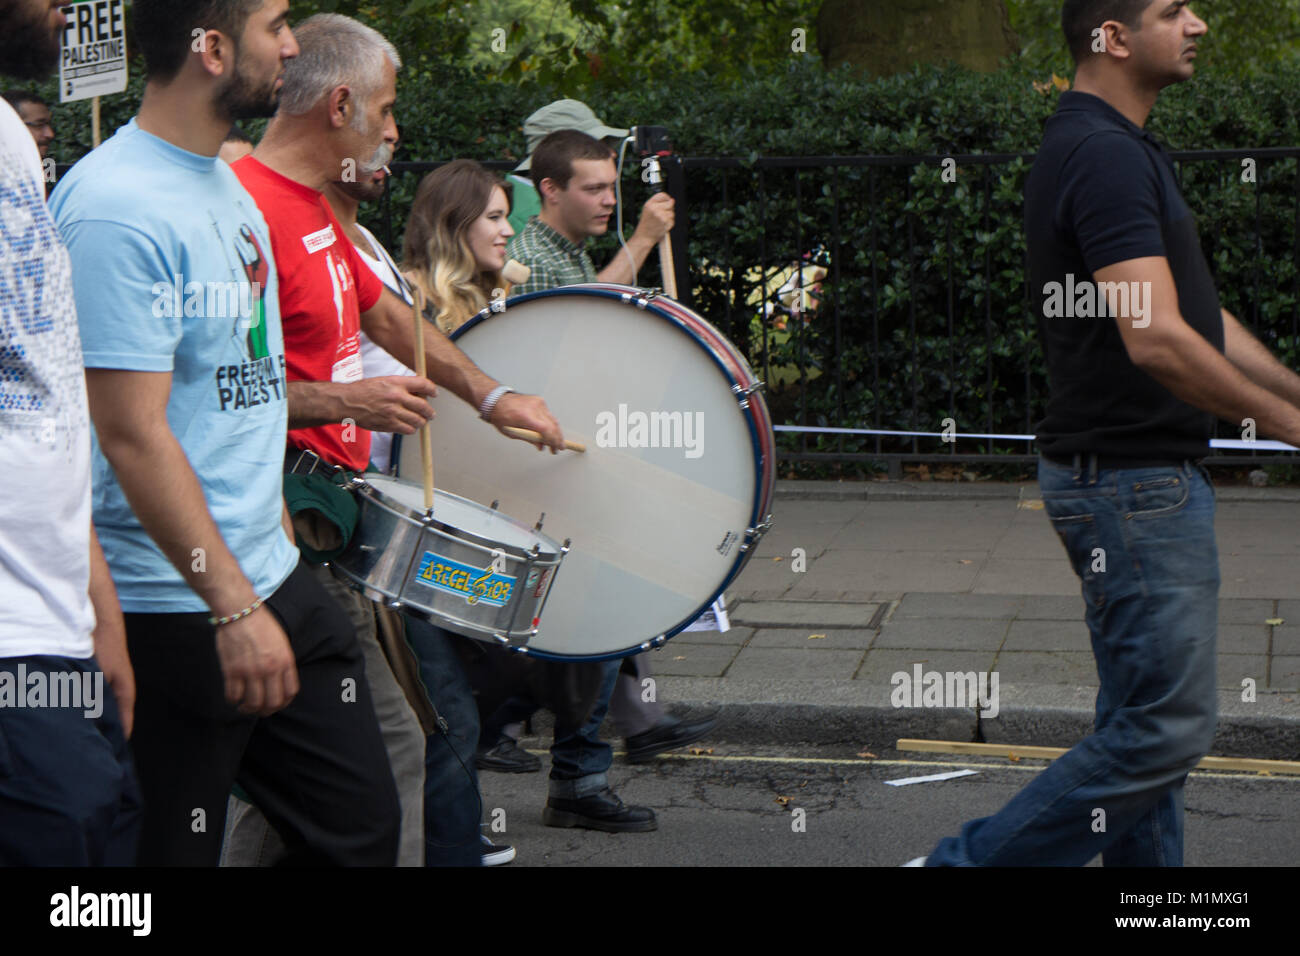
<point>324,288</point>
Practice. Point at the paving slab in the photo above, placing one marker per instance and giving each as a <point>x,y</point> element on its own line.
<point>1286,640</point>
<point>795,663</point>
<point>692,660</point>
<point>1243,639</point>
<point>1233,668</point>
<point>1256,576</point>
<point>945,605</point>
<point>1052,607</point>
<point>956,634</point>
<point>1286,674</point>
<point>900,533</point>
<point>1048,636</point>
<point>1246,610</point>
<point>1026,576</point>
<point>886,570</point>
<point>1073,668</point>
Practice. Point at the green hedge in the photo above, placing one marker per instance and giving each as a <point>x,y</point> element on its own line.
<point>927,373</point>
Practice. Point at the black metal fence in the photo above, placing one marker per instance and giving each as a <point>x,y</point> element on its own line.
<point>921,322</point>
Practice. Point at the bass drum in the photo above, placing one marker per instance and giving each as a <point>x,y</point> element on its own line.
<point>664,508</point>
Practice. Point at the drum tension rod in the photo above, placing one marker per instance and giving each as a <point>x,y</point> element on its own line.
<point>495,504</point>
<point>538,526</point>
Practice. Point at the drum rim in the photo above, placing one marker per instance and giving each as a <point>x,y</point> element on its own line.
<point>753,418</point>
<point>363,486</point>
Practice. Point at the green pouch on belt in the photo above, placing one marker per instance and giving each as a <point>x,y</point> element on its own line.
<point>325,514</point>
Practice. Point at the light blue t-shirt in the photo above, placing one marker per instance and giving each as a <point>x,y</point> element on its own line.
<point>172,272</point>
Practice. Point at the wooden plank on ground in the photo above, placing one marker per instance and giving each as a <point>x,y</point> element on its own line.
<point>1243,764</point>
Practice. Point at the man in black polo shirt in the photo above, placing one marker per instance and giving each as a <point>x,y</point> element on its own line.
<point>1141,361</point>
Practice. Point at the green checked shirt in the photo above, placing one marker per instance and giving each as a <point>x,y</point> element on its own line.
<point>553,259</point>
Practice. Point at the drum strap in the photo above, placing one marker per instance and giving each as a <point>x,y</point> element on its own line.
<point>406,669</point>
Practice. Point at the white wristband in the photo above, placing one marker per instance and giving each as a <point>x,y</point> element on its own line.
<point>490,403</point>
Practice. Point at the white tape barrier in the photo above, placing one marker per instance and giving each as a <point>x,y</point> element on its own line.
<point>1262,444</point>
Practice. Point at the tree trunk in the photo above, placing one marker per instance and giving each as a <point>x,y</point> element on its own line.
<point>891,36</point>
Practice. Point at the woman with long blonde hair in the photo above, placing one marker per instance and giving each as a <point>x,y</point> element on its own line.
<point>455,245</point>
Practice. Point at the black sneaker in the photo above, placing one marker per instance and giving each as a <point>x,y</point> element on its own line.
<point>494,855</point>
<point>507,757</point>
<point>600,811</point>
<point>669,734</point>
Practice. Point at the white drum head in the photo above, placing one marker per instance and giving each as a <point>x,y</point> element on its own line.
<point>656,531</point>
<point>465,515</point>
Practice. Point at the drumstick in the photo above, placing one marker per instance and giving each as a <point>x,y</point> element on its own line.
<point>666,265</point>
<point>529,435</point>
<point>514,273</point>
<point>426,447</point>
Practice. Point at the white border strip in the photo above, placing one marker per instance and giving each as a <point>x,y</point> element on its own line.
<point>1262,444</point>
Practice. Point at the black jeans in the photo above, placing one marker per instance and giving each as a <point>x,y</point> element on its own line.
<point>317,769</point>
<point>68,792</point>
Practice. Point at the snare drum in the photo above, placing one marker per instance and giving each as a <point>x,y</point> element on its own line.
<point>467,568</point>
<point>674,490</point>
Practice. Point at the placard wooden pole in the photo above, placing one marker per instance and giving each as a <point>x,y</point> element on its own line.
<point>94,123</point>
<point>1243,764</point>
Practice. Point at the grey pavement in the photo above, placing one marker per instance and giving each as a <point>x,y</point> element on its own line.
<point>862,584</point>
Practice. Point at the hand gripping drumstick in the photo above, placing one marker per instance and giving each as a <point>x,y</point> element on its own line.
<point>529,435</point>
<point>653,144</point>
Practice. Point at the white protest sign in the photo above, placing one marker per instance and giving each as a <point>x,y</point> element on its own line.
<point>93,61</point>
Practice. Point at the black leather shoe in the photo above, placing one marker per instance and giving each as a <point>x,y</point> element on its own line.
<point>600,811</point>
<point>507,757</point>
<point>669,734</point>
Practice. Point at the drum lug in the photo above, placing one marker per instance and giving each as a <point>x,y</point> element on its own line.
<point>641,298</point>
<point>755,534</point>
<point>564,548</point>
<point>742,394</point>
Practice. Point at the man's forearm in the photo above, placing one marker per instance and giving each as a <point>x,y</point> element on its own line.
<point>619,270</point>
<point>1196,373</point>
<point>168,500</point>
<point>312,404</point>
<point>445,364</point>
<point>1256,362</point>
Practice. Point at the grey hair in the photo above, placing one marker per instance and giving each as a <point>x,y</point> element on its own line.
<point>334,50</point>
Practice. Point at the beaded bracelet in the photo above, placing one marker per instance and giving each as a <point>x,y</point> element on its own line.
<point>231,619</point>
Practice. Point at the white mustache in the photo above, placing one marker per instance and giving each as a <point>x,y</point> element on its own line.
<point>383,155</point>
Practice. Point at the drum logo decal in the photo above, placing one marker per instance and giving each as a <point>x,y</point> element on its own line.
<point>475,585</point>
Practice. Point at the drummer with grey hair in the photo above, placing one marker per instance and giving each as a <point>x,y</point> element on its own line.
<point>335,123</point>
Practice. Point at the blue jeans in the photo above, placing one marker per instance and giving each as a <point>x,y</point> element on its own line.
<point>579,758</point>
<point>452,807</point>
<point>1142,542</point>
